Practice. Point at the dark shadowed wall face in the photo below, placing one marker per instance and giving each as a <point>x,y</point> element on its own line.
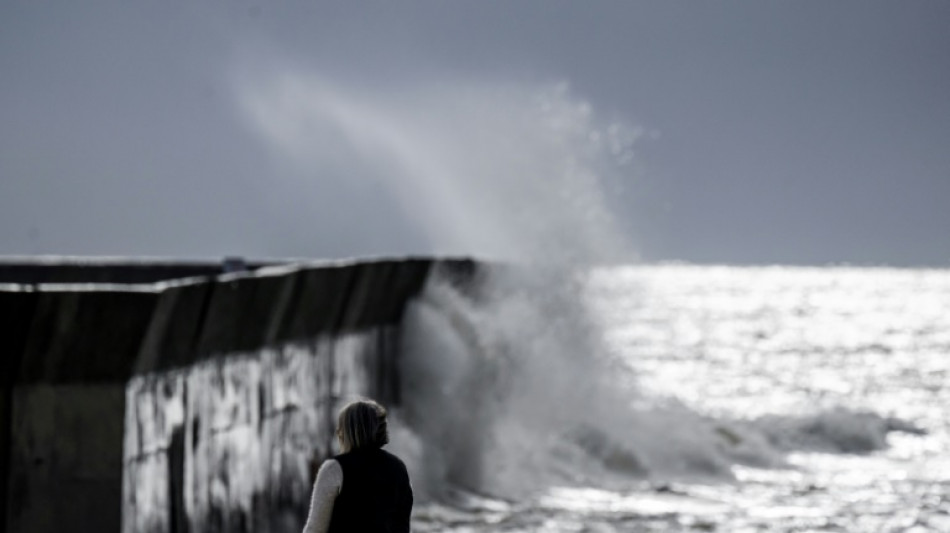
<point>799,132</point>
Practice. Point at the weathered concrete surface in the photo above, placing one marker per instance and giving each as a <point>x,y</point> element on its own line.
<point>66,400</point>
<point>174,329</point>
<point>297,343</point>
<point>65,460</point>
<point>16,314</point>
<point>197,405</point>
<point>240,313</point>
<point>86,336</point>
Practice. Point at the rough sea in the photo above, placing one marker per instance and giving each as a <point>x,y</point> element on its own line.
<point>680,398</point>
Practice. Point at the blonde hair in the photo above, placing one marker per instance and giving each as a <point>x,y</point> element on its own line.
<point>362,424</point>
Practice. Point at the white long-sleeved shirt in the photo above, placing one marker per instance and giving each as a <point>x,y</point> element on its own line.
<point>325,490</point>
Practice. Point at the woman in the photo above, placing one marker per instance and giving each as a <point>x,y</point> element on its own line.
<point>365,489</point>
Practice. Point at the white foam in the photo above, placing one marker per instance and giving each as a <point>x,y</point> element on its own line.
<point>509,389</point>
<point>512,391</point>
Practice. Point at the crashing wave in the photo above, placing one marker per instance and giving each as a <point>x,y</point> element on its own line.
<point>509,390</point>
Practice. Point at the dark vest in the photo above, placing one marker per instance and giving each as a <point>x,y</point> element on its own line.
<point>376,496</point>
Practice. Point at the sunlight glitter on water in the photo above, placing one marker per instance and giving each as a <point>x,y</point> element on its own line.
<point>825,364</point>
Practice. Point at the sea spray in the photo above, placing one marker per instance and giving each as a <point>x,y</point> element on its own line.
<point>817,465</point>
<point>509,171</point>
<point>494,373</point>
<point>510,390</point>
<point>508,384</point>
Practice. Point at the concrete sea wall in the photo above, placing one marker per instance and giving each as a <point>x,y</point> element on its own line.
<point>198,404</point>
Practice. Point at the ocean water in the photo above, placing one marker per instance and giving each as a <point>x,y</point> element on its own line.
<point>680,398</point>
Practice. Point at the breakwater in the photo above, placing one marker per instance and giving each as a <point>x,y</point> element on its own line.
<point>195,404</point>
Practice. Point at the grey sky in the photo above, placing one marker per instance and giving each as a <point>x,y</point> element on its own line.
<point>777,132</point>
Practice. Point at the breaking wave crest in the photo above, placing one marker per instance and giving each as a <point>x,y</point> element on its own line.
<point>509,390</point>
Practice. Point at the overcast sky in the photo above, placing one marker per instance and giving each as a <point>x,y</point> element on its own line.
<point>806,132</point>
